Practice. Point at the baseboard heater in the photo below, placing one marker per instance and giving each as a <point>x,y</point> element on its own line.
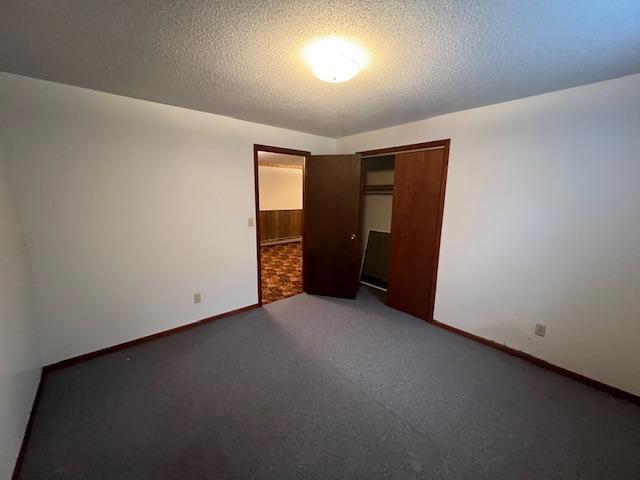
<point>277,241</point>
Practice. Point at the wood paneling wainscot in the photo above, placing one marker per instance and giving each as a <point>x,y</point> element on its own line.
<point>279,225</point>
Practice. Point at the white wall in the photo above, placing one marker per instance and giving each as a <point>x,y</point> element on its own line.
<point>541,218</point>
<point>377,213</point>
<point>280,188</point>
<point>129,208</point>
<point>542,224</point>
<point>19,363</point>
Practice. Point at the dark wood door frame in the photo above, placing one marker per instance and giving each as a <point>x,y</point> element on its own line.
<point>266,148</point>
<point>409,148</point>
<point>445,144</point>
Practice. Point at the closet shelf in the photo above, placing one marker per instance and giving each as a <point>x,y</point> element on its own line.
<point>378,189</point>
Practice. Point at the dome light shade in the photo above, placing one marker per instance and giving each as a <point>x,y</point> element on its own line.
<point>335,60</point>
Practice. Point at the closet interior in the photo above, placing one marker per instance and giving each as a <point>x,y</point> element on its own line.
<point>403,202</point>
<point>377,204</point>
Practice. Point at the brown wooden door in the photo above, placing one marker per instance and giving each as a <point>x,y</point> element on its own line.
<point>418,201</point>
<point>331,247</point>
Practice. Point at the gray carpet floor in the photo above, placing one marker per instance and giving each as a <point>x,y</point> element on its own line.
<point>322,388</point>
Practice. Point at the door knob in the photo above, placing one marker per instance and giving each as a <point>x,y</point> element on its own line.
<point>352,236</point>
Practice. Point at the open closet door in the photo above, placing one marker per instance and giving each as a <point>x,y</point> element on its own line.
<point>418,202</point>
<point>331,246</point>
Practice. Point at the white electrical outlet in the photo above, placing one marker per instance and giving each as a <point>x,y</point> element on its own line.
<point>197,297</point>
<point>250,222</point>
<point>541,330</point>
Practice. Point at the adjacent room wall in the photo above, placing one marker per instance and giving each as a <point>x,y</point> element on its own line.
<point>129,208</point>
<point>280,188</point>
<point>541,224</point>
<point>19,363</point>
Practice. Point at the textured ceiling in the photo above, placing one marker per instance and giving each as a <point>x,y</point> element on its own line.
<point>243,59</point>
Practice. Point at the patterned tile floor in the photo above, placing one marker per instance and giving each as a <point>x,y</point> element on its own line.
<point>281,271</point>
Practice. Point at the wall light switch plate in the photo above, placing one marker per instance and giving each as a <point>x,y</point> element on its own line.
<point>197,298</point>
<point>250,222</point>
<point>541,330</point>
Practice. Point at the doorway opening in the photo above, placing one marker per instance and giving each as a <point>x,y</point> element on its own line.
<point>279,180</point>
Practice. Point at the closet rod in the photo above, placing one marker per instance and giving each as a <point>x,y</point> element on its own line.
<point>440,147</point>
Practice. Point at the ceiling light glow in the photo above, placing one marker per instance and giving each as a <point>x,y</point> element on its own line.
<point>335,60</point>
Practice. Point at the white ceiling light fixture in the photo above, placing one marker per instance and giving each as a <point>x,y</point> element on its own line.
<point>335,60</point>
